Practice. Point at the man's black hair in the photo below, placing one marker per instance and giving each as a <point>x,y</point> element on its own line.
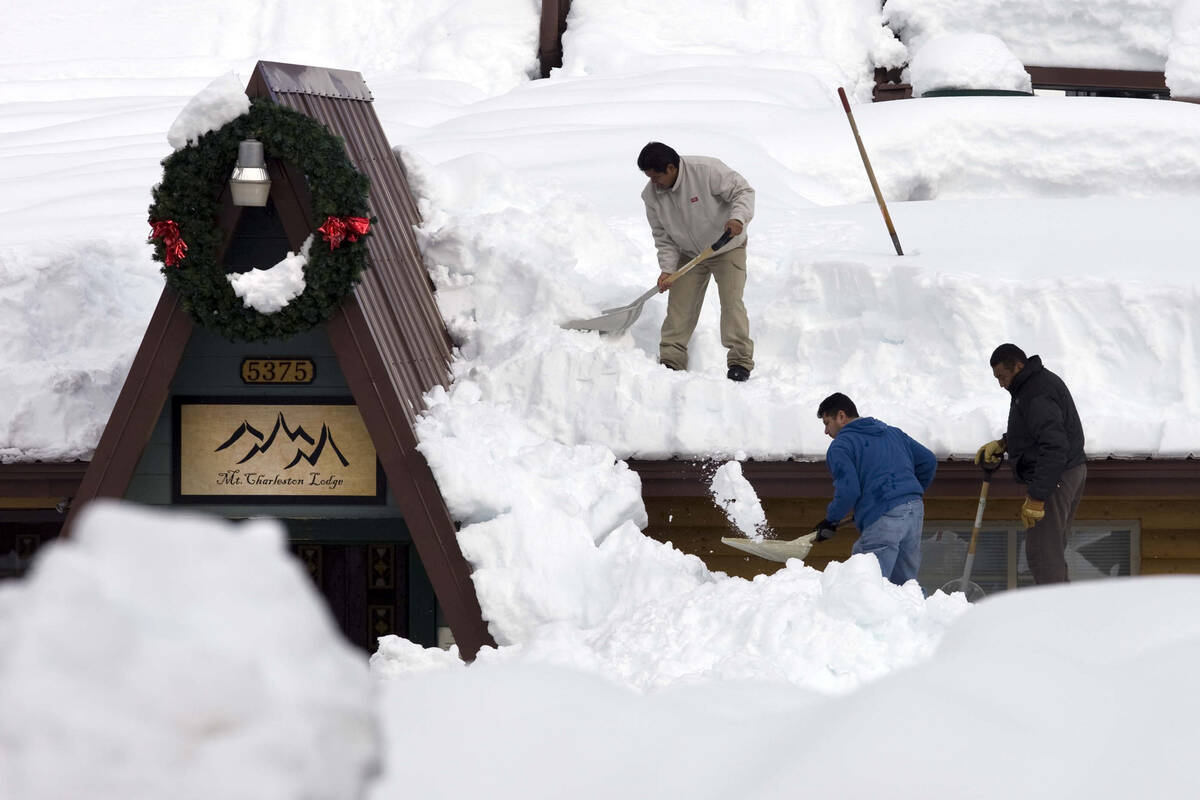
<point>656,157</point>
<point>1009,355</point>
<point>837,402</point>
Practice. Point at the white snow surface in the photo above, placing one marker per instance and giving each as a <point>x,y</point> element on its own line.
<point>1061,675</point>
<point>967,61</point>
<point>160,654</point>
<point>1182,71</point>
<point>217,104</point>
<point>837,43</point>
<point>1100,34</point>
<point>269,290</point>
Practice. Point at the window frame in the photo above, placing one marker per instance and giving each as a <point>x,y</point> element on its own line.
<point>1012,543</point>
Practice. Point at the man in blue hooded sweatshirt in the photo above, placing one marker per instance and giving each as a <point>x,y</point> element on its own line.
<point>880,473</point>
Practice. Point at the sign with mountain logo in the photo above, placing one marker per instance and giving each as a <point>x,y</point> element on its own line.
<point>258,450</point>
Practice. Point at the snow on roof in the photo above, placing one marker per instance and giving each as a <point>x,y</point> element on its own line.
<point>840,42</point>
<point>1182,70</point>
<point>1056,210</point>
<point>966,61</point>
<point>1101,34</point>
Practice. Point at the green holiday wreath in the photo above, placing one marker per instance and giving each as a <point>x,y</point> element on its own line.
<point>183,219</point>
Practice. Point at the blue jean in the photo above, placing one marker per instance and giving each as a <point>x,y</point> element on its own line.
<point>895,539</point>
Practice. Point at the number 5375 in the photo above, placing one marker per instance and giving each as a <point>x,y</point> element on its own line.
<point>277,370</point>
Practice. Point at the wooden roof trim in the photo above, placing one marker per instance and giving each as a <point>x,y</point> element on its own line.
<point>1097,79</point>
<point>389,337</point>
<point>41,479</point>
<point>410,479</point>
<point>138,405</point>
<point>810,479</point>
<point>551,27</point>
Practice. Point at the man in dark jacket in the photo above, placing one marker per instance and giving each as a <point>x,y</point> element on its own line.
<point>880,473</point>
<point>1044,443</point>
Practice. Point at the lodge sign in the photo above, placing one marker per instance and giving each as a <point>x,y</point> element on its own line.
<point>271,451</point>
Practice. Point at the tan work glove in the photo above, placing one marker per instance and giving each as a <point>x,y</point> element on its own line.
<point>1032,512</point>
<point>990,453</point>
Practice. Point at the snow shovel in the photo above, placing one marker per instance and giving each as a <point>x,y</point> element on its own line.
<point>773,549</point>
<point>972,590</point>
<point>616,321</point>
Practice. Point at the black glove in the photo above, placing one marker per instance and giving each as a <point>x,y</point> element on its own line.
<point>825,530</point>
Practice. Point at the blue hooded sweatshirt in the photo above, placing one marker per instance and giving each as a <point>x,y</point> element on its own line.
<point>875,468</point>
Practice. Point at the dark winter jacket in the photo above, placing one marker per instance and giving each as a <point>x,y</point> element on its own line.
<point>875,468</point>
<point>1045,436</point>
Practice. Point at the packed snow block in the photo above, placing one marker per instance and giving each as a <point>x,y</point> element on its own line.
<point>1182,71</point>
<point>159,654</point>
<point>1100,34</point>
<point>967,61</point>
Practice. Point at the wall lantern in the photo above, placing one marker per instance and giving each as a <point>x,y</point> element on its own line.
<point>250,185</point>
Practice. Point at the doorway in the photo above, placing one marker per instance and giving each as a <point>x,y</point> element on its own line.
<point>370,576</point>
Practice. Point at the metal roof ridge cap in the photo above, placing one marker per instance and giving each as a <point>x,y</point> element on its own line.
<point>284,78</point>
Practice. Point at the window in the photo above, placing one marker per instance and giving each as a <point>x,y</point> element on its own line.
<point>1094,550</point>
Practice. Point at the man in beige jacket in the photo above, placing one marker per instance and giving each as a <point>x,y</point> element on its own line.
<point>689,200</point>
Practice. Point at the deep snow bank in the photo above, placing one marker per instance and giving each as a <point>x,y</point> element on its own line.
<point>160,654</point>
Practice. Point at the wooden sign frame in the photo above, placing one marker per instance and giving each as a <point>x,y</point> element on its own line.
<point>239,485</point>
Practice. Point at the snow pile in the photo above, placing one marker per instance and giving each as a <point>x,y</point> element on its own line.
<point>269,290</point>
<point>168,655</point>
<point>1183,55</point>
<point>217,104</point>
<point>840,42</point>
<point>489,45</point>
<point>75,312</point>
<point>735,496</point>
<point>1101,34</point>
<point>565,577</point>
<point>1009,672</point>
<point>650,617</point>
<point>967,61</point>
<point>832,309</point>
<point>572,734</point>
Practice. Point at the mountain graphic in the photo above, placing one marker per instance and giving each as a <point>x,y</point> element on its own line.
<point>292,435</point>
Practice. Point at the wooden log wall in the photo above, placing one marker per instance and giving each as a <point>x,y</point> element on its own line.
<point>1170,528</point>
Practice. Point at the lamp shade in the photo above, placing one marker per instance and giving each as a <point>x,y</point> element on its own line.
<point>250,185</point>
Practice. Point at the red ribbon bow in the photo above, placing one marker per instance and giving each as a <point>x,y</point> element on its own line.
<point>174,246</point>
<point>337,229</point>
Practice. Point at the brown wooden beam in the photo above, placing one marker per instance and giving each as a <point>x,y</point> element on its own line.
<point>41,479</point>
<point>1097,79</point>
<point>138,405</point>
<point>409,478</point>
<point>550,32</point>
<point>810,479</point>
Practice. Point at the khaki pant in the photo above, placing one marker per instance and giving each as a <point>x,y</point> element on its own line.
<point>685,299</point>
<point>1046,542</point>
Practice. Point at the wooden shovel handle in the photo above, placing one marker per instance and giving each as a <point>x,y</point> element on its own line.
<point>714,247</point>
<point>862,151</point>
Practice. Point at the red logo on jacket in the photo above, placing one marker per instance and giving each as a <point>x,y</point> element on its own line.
<point>694,200</point>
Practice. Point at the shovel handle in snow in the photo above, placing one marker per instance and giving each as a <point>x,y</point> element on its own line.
<point>714,247</point>
<point>887,218</point>
<point>983,493</point>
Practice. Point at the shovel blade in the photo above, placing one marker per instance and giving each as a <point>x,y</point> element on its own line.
<point>970,588</point>
<point>614,321</point>
<point>771,549</point>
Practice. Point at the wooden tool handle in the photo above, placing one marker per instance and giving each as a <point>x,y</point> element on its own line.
<point>714,247</point>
